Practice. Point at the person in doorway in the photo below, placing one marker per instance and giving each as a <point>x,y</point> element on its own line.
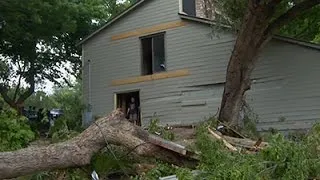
<point>133,111</point>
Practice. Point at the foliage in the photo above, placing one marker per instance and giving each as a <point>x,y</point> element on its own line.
<point>305,27</point>
<point>70,100</point>
<point>155,128</point>
<point>111,160</point>
<point>38,40</point>
<point>184,173</point>
<point>162,169</point>
<point>40,99</point>
<point>250,119</point>
<point>71,173</point>
<point>15,133</point>
<point>61,132</point>
<point>283,159</point>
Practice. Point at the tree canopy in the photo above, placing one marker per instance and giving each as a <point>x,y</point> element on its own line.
<point>38,37</point>
<point>305,27</point>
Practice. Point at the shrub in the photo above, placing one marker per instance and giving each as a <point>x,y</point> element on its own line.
<point>162,169</point>
<point>15,133</point>
<point>111,160</point>
<point>60,131</point>
<point>155,128</point>
<point>283,159</point>
<point>70,100</point>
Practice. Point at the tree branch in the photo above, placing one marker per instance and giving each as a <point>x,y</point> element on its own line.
<point>6,98</point>
<point>291,14</point>
<point>31,80</point>
<point>112,129</point>
<point>28,92</point>
<point>19,82</point>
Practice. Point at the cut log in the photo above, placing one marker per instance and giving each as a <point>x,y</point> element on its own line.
<point>76,152</point>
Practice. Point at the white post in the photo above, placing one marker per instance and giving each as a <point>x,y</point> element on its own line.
<point>180,6</point>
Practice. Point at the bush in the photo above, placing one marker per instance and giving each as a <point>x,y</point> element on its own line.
<point>155,128</point>
<point>15,133</point>
<point>283,159</point>
<point>60,131</point>
<point>112,160</point>
<point>162,169</point>
<point>70,100</point>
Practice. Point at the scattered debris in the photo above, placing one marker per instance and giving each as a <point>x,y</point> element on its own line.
<point>227,144</point>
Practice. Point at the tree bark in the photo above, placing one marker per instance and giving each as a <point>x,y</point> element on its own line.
<point>241,64</point>
<point>113,129</point>
<point>256,30</point>
<point>17,103</point>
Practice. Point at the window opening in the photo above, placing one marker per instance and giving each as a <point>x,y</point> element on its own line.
<point>153,54</point>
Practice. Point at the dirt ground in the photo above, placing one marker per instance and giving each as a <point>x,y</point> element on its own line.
<point>183,133</point>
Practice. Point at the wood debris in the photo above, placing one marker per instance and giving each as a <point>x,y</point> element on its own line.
<point>235,144</point>
<point>227,144</point>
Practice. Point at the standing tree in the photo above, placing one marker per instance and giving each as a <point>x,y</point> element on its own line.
<point>261,19</point>
<point>37,40</point>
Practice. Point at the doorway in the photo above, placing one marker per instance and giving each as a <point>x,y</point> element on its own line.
<point>124,99</point>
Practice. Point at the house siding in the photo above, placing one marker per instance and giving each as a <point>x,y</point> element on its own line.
<point>285,95</point>
<point>191,98</point>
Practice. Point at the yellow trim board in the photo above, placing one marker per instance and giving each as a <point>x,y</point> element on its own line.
<point>163,75</point>
<point>149,30</point>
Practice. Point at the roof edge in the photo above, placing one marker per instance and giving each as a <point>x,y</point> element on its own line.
<point>202,20</point>
<point>297,41</point>
<point>277,37</point>
<point>111,21</point>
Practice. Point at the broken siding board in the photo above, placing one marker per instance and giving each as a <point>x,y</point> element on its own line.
<point>193,103</point>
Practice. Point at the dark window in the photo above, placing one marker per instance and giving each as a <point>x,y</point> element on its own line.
<point>153,55</point>
<point>189,7</point>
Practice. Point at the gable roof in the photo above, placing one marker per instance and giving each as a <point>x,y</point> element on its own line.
<point>192,18</point>
<point>112,20</point>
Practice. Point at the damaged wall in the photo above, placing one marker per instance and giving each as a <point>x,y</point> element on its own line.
<point>191,98</point>
<point>286,93</point>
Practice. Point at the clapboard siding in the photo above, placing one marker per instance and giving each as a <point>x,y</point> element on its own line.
<point>285,80</point>
<point>290,99</point>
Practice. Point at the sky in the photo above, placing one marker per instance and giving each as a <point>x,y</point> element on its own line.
<point>48,86</point>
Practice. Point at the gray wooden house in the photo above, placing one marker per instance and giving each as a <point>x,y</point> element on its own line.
<point>162,52</point>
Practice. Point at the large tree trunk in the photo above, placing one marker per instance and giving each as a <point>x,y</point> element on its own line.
<point>14,102</point>
<point>257,29</point>
<point>241,65</point>
<point>113,129</point>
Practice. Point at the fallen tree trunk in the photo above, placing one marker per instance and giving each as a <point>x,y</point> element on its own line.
<point>76,152</point>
